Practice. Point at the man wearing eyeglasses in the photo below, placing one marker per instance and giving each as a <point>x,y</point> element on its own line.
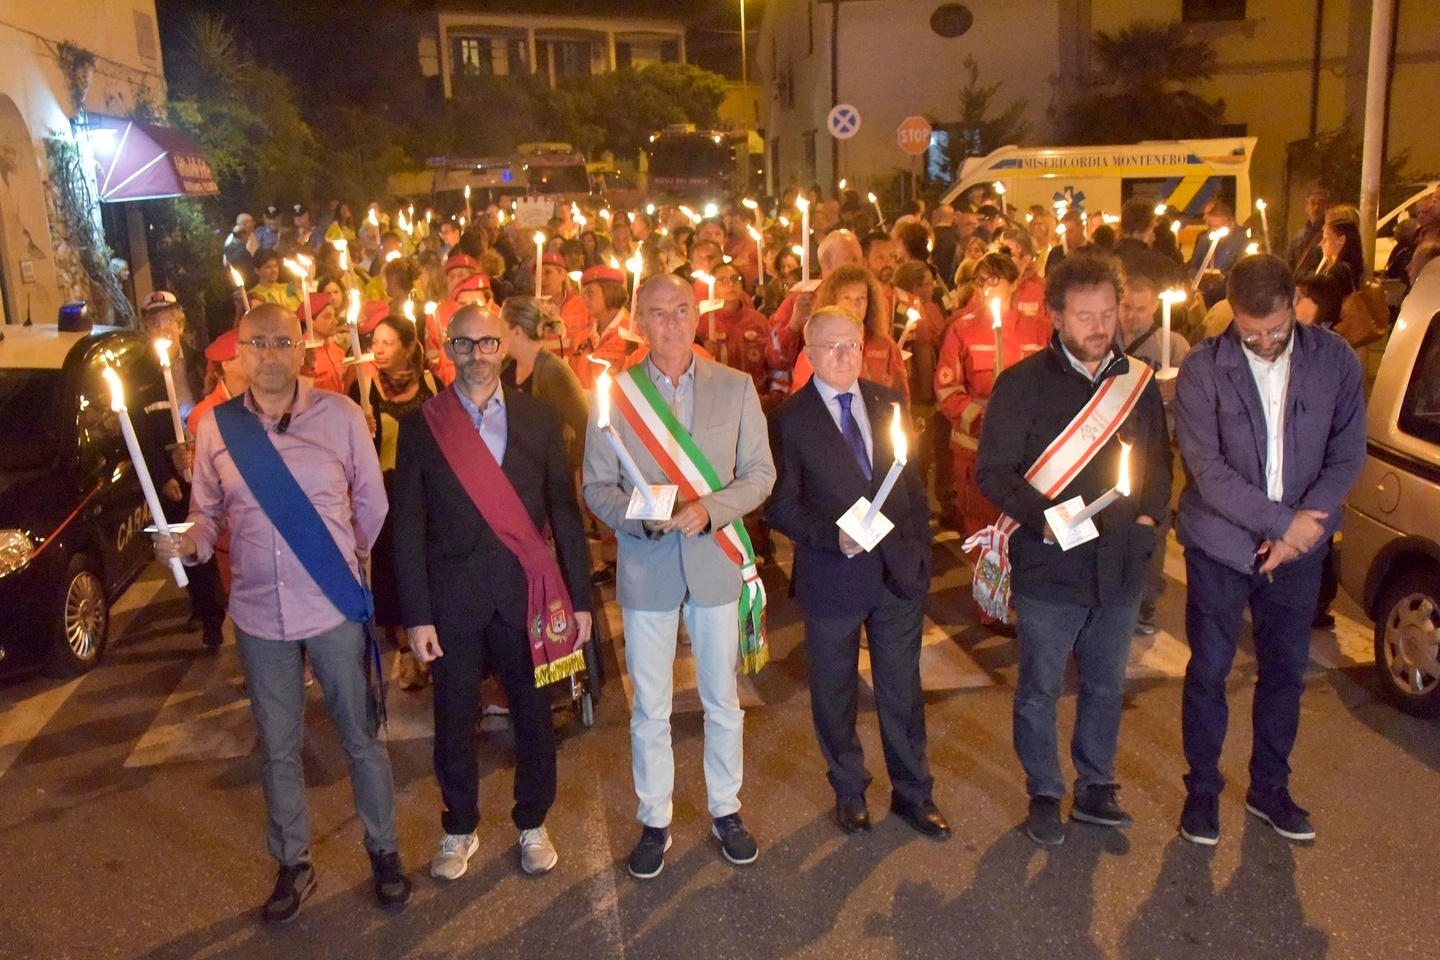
<point>288,605</point>
<point>1270,417</point>
<point>832,445</point>
<point>480,472</point>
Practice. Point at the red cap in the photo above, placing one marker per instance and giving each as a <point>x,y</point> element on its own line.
<point>372,313</point>
<point>461,261</point>
<point>223,347</point>
<point>602,272</point>
<point>318,302</point>
<point>554,260</point>
<point>476,281</point>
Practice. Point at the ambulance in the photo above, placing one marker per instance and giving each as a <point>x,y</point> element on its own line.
<point>1182,174</point>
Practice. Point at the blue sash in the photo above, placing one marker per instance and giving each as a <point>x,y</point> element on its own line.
<point>287,506</point>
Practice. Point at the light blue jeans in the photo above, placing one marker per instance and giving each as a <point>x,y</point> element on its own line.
<point>1099,639</point>
<point>275,674</point>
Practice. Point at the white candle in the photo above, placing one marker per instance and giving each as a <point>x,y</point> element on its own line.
<point>1264,224</point>
<point>1215,237</point>
<point>352,319</point>
<point>804,205</point>
<point>469,214</point>
<point>239,281</point>
<point>1000,196</point>
<point>137,457</point>
<point>636,263</point>
<point>897,440</point>
<point>999,335</point>
<point>627,462</point>
<point>302,275</point>
<point>1121,489</point>
<point>709,303</point>
<point>162,347</point>
<point>1167,297</point>
<point>912,318</point>
<point>875,202</point>
<point>759,255</point>
<point>539,257</point>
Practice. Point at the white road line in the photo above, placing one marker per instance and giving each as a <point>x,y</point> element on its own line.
<point>206,716</point>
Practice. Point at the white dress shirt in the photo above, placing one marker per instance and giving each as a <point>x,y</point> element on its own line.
<point>857,410</point>
<point>1272,378</point>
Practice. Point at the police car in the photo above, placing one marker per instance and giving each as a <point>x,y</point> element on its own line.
<point>71,510</point>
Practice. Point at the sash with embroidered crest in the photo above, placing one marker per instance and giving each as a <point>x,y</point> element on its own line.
<point>684,464</point>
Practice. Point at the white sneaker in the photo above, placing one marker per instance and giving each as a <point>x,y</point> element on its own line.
<point>456,849</point>
<point>537,853</point>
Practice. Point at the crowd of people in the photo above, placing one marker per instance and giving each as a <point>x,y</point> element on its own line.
<point>429,469</point>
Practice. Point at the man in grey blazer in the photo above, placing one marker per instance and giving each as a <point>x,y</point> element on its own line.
<point>677,568</point>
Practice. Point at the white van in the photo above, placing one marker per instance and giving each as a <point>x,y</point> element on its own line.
<point>1183,174</point>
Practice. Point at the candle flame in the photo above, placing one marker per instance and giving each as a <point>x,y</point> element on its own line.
<point>352,312</point>
<point>754,234</point>
<point>539,238</point>
<point>995,312</point>
<point>843,181</point>
<point>236,279</point>
<point>302,258</point>
<point>602,393</point>
<point>162,347</point>
<point>1219,234</point>
<point>636,263</point>
<point>1122,483</point>
<point>467,191</point>
<point>1173,295</point>
<point>392,256</point>
<point>117,389</point>
<point>340,243</point>
<point>344,260</point>
<point>431,306</point>
<point>409,310</point>
<point>1175,226</point>
<point>913,315</point>
<point>702,276</point>
<point>872,198</point>
<point>614,262</point>
<point>1259,204</point>
<point>1060,230</point>
<point>1000,187</point>
<point>374,220</point>
<point>295,268</point>
<point>751,204</point>
<point>898,439</point>
<point>606,214</point>
<point>1251,249</point>
<point>802,204</point>
<point>575,275</point>
<point>1160,209</point>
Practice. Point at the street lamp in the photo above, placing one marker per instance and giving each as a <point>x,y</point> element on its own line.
<point>744,59</point>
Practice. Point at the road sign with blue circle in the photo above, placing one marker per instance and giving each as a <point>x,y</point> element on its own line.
<point>843,121</point>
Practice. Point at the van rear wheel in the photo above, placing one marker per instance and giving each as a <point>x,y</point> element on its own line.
<point>1407,642</point>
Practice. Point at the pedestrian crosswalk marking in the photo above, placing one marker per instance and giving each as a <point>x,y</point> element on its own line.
<point>944,664</point>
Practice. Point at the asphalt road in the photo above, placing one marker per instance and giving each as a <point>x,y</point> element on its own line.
<point>131,823</point>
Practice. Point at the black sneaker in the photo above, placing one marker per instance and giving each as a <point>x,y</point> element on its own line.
<point>1200,820</point>
<point>1096,804</point>
<point>648,857</point>
<point>1043,824</point>
<point>1145,622</point>
<point>735,841</point>
<point>1287,817</point>
<point>292,885</point>
<point>392,887</point>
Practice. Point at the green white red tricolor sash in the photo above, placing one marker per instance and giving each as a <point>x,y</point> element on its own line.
<point>685,465</point>
<point>1068,454</point>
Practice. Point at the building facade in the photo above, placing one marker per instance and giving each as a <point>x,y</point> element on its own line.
<point>39,268</point>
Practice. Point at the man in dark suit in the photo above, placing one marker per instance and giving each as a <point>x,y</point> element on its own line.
<point>464,587</point>
<point>832,446</point>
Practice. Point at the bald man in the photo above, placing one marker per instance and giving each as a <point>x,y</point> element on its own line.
<point>284,466</point>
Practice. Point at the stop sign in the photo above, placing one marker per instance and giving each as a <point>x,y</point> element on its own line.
<point>914,135</point>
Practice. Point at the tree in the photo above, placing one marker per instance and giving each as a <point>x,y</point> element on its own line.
<point>1141,93</point>
<point>977,133</point>
<point>1333,159</point>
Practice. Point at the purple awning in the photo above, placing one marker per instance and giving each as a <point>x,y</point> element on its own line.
<point>137,161</point>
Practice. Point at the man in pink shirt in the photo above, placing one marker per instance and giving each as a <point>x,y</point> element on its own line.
<point>281,614</point>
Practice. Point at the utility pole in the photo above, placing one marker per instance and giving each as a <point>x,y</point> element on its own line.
<point>1372,162</point>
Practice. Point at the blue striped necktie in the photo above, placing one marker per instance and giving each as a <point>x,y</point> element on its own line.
<point>851,431</point>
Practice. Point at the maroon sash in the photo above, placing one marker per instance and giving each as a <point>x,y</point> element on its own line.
<point>549,614</point>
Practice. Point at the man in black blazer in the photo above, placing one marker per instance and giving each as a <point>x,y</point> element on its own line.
<point>832,445</point>
<point>463,593</point>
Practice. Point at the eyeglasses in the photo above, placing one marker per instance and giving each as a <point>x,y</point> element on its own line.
<point>1278,335</point>
<point>260,344</point>
<point>465,346</point>
<point>726,281</point>
<point>834,350</point>
<point>986,282</point>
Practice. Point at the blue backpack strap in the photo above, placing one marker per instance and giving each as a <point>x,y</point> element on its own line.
<point>290,510</point>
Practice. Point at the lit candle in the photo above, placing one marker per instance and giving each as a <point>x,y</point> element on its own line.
<point>897,440</point>
<point>1121,489</point>
<point>1167,297</point>
<point>999,335</point>
<point>1000,196</point>
<point>1215,237</point>
<point>636,263</point>
<point>1160,209</point>
<point>469,214</point>
<point>432,319</point>
<point>708,307</point>
<point>912,318</point>
<point>1251,249</point>
<point>162,347</point>
<point>843,182</point>
<point>302,275</point>
<point>539,257</point>
<point>804,204</point>
<point>392,256</point>
<point>142,472</point>
<point>759,254</point>
<point>352,319</point>
<point>242,302</point>
<point>1264,223</point>
<point>875,202</point>
<point>602,420</point>
<point>409,310</point>
<point>373,217</point>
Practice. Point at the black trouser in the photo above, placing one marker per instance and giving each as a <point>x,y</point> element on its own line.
<point>457,710</point>
<point>832,647</point>
<point>207,592</point>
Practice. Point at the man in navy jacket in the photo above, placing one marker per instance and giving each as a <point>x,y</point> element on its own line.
<point>1270,416</point>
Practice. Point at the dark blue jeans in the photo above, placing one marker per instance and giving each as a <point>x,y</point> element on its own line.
<point>1099,639</point>
<point>1280,616</point>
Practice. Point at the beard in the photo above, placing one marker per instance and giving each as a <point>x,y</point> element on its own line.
<point>476,373</point>
<point>1090,350</point>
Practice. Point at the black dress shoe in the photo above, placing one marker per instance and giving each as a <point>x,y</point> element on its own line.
<point>604,575</point>
<point>924,817</point>
<point>851,813</point>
